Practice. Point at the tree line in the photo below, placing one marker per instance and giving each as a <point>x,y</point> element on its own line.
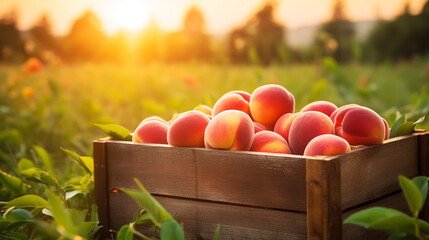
<point>259,40</point>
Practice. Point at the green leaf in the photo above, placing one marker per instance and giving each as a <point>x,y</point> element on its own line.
<point>421,183</point>
<point>71,194</point>
<point>31,172</point>
<point>28,201</point>
<point>115,131</point>
<point>19,215</point>
<point>383,219</point>
<point>59,212</point>
<point>217,233</point>
<point>44,157</point>
<point>125,233</point>
<point>171,230</point>
<point>12,183</point>
<point>403,127</point>
<point>24,164</point>
<point>149,203</point>
<point>78,159</point>
<point>399,120</point>
<point>412,194</point>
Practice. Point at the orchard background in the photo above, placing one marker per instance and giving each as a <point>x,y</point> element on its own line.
<point>55,87</point>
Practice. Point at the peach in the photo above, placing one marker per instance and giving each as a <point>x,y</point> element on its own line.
<point>320,106</point>
<point>244,94</point>
<point>269,102</point>
<point>259,127</point>
<point>359,126</point>
<point>326,145</point>
<point>204,109</point>
<point>230,129</point>
<point>305,127</point>
<point>283,124</point>
<point>151,130</point>
<point>268,141</point>
<point>188,129</point>
<point>229,101</point>
<point>386,129</point>
<point>334,113</point>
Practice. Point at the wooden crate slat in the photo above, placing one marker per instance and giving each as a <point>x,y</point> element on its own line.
<point>201,218</point>
<point>424,167</point>
<point>100,186</point>
<point>323,199</point>
<point>372,172</point>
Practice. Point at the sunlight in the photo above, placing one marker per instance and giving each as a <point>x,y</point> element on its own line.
<point>127,14</point>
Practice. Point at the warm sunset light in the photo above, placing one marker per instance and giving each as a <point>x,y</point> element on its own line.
<point>127,14</point>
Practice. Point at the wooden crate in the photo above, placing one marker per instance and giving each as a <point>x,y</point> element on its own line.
<point>258,195</point>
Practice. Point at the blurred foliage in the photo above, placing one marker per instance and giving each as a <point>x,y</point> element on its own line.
<point>11,44</point>
<point>403,38</point>
<point>260,40</point>
<point>335,38</point>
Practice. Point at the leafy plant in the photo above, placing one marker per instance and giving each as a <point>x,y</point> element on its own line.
<point>115,131</point>
<point>153,212</point>
<point>397,224</point>
<point>402,126</point>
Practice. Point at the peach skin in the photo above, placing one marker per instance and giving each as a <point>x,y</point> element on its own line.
<point>320,106</point>
<point>230,129</point>
<point>151,131</point>
<point>386,129</point>
<point>204,109</point>
<point>326,145</point>
<point>268,141</point>
<point>283,124</point>
<point>259,127</point>
<point>230,101</point>
<point>334,113</point>
<point>188,129</point>
<point>269,102</point>
<point>307,126</point>
<point>359,126</point>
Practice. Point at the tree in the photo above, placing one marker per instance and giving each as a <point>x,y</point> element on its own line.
<point>260,40</point>
<point>336,37</point>
<point>86,39</point>
<point>45,41</point>
<point>151,43</point>
<point>11,44</point>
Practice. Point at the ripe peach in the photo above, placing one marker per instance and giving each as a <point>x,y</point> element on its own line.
<point>306,126</point>
<point>283,124</point>
<point>320,106</point>
<point>269,102</point>
<point>155,118</point>
<point>259,127</point>
<point>229,101</point>
<point>359,126</point>
<point>244,94</point>
<point>268,141</point>
<point>334,113</point>
<point>188,129</point>
<point>204,109</point>
<point>326,145</point>
<point>386,129</point>
<point>151,130</point>
<point>230,129</point>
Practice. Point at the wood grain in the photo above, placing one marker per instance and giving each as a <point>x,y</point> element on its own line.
<point>371,172</point>
<point>200,219</point>
<point>323,199</point>
<point>263,180</point>
<point>100,187</point>
<point>424,166</point>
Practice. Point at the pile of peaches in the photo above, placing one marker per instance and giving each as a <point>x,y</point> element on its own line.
<point>266,121</point>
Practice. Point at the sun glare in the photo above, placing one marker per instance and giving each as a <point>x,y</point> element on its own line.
<point>130,15</point>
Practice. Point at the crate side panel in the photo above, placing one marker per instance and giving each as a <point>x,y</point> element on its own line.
<point>352,232</point>
<point>201,218</point>
<point>265,180</point>
<point>161,169</point>
<point>372,172</point>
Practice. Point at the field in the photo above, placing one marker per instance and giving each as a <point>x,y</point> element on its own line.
<point>59,105</point>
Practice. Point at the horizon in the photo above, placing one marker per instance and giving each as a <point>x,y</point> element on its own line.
<point>135,15</point>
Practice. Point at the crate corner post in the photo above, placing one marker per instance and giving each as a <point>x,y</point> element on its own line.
<point>323,183</point>
<point>100,186</point>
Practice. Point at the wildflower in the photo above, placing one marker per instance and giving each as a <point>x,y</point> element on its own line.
<point>32,65</point>
<point>190,81</point>
<point>28,92</point>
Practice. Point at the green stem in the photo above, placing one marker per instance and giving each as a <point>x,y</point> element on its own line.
<point>417,229</point>
<point>138,233</point>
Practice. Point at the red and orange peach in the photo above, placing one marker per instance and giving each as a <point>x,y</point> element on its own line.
<point>320,106</point>
<point>269,102</point>
<point>268,141</point>
<point>326,145</point>
<point>231,101</point>
<point>230,129</point>
<point>307,126</point>
<point>151,130</point>
<point>283,124</point>
<point>188,129</point>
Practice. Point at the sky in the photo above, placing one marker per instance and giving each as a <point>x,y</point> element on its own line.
<point>220,15</point>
